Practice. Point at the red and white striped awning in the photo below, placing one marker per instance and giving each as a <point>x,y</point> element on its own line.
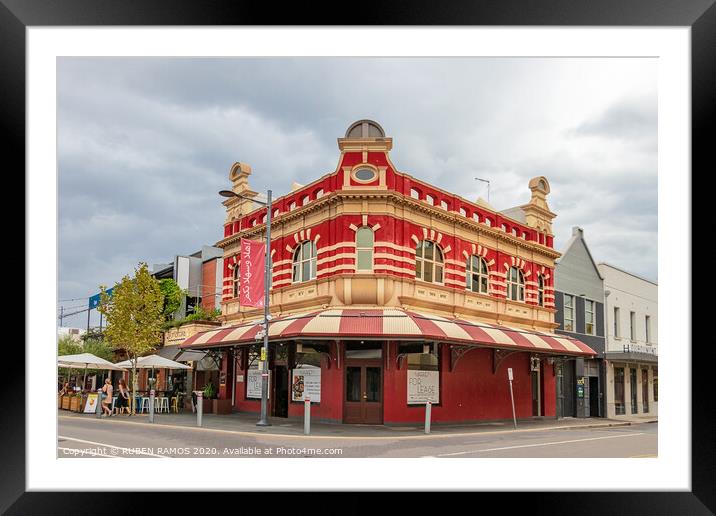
<point>390,323</point>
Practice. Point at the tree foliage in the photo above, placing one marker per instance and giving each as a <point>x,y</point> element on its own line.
<point>173,296</point>
<point>135,313</point>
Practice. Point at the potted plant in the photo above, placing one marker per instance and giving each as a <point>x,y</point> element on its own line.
<point>209,393</point>
<point>76,402</point>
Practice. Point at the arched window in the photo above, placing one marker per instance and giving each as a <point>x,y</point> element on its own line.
<point>304,262</point>
<point>476,274</point>
<point>364,249</point>
<point>237,280</point>
<point>428,262</point>
<point>414,193</point>
<point>429,199</point>
<point>540,290</point>
<point>515,284</point>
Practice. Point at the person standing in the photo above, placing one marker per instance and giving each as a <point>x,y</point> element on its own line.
<point>123,397</point>
<point>107,391</point>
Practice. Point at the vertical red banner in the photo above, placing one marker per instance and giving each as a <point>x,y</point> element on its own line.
<point>251,273</point>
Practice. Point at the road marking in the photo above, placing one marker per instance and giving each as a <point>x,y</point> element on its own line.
<point>539,444</point>
<point>124,448</point>
<point>396,437</point>
<point>85,452</point>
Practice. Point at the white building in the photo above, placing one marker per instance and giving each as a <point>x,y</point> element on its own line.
<point>74,333</point>
<point>632,349</point>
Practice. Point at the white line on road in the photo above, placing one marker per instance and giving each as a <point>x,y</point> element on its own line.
<point>131,450</point>
<point>539,444</point>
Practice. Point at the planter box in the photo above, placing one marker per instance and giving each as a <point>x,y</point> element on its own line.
<point>207,406</point>
<point>76,404</point>
<point>222,406</point>
<point>66,402</point>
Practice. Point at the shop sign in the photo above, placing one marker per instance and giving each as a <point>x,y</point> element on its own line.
<point>306,383</point>
<point>423,386</point>
<point>253,384</point>
<point>91,403</point>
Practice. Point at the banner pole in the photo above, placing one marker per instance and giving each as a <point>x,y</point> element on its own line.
<point>264,352</point>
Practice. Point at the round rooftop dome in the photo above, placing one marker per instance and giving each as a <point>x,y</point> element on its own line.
<point>365,129</point>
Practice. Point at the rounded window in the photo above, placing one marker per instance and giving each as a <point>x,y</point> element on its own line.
<point>364,174</point>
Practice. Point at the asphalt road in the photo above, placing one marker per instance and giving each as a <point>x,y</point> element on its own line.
<point>100,438</point>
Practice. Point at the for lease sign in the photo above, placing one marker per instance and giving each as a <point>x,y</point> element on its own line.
<point>423,386</point>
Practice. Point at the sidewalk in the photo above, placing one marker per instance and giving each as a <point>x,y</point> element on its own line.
<point>245,423</point>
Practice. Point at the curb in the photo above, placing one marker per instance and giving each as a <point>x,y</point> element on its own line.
<point>342,437</point>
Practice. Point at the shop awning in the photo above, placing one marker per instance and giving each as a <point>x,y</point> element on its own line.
<point>389,323</point>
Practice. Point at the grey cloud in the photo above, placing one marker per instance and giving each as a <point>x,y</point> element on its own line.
<point>145,144</point>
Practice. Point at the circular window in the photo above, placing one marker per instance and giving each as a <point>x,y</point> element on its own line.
<point>364,174</point>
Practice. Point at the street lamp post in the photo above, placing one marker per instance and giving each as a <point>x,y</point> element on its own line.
<point>263,421</point>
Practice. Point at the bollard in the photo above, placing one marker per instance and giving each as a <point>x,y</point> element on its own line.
<point>99,403</point>
<point>151,406</point>
<point>428,411</point>
<point>307,416</point>
<point>199,407</point>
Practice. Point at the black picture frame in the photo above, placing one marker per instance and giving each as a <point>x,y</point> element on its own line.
<point>700,15</point>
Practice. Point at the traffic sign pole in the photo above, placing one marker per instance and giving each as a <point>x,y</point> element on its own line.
<point>512,397</point>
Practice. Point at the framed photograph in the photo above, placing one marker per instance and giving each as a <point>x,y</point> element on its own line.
<point>536,127</point>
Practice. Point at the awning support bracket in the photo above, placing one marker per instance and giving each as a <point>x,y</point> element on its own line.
<point>498,356</point>
<point>457,351</point>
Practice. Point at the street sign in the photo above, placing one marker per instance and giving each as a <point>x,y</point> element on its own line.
<point>94,300</point>
<point>509,374</point>
<point>263,354</point>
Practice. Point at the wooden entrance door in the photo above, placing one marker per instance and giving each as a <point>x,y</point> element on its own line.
<point>363,395</point>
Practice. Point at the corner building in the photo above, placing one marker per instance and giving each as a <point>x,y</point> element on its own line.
<point>387,292</point>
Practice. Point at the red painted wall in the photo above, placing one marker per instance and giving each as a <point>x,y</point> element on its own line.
<point>472,392</point>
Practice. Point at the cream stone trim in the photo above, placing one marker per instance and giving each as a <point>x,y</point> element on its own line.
<point>456,262</point>
<point>498,283</point>
<point>449,281</point>
<point>447,249</point>
<point>432,234</point>
<point>381,267</point>
<point>376,227</point>
<point>466,254</point>
<point>461,274</point>
<point>365,219</point>
<point>335,257</point>
<point>333,247</point>
<point>281,282</point>
<point>308,234</point>
<point>289,248</point>
<point>388,256</point>
<point>495,273</point>
<point>315,241</point>
<point>353,227</point>
<point>295,237</point>
<point>440,237</point>
<point>491,263</point>
<point>281,263</point>
<point>344,267</point>
<point>415,239</point>
<point>391,245</point>
<point>425,233</point>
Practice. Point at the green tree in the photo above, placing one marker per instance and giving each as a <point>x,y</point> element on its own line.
<point>173,296</point>
<point>66,345</point>
<point>135,313</point>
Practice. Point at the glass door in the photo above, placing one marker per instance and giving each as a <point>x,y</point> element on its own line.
<point>363,402</point>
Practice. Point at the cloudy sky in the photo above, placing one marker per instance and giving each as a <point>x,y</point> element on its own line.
<point>144,145</point>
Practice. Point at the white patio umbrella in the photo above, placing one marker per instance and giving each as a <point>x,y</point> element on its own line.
<point>86,360</point>
<point>153,362</point>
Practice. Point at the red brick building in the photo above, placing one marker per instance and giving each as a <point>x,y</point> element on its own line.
<point>387,291</point>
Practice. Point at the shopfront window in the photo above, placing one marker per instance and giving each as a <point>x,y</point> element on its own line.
<point>237,280</point>
<point>515,284</point>
<point>619,391</point>
<point>632,385</point>
<point>645,390</point>
<point>656,384</point>
<point>568,312</point>
<point>476,274</point>
<point>304,262</point>
<point>364,249</point>
<point>428,262</point>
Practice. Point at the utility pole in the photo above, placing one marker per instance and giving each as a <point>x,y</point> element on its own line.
<point>62,312</point>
